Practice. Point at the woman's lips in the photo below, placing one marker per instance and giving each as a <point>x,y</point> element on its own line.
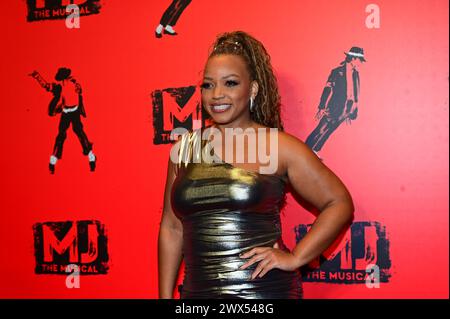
<point>220,108</point>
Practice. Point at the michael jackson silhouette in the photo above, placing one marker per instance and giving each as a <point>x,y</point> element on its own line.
<point>67,100</point>
<point>339,100</point>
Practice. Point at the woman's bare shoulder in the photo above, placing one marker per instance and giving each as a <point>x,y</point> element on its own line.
<point>292,144</point>
<point>293,150</point>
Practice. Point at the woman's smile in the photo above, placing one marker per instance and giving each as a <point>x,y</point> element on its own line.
<point>220,108</point>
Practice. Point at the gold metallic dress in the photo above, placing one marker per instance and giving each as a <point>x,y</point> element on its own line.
<point>225,211</point>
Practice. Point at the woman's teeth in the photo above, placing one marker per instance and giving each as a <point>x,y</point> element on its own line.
<point>220,108</point>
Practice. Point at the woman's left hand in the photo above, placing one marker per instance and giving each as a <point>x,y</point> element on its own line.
<point>268,259</point>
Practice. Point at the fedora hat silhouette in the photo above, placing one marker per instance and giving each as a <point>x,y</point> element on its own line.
<point>62,74</point>
<point>356,52</point>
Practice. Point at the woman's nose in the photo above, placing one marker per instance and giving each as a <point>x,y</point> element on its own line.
<point>217,92</point>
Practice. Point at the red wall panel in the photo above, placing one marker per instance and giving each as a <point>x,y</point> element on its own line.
<point>393,157</point>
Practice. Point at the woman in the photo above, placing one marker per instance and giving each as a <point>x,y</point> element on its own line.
<point>222,215</point>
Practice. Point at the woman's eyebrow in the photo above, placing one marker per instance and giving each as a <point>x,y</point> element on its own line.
<point>224,77</point>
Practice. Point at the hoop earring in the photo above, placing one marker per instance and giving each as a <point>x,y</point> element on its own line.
<point>252,106</point>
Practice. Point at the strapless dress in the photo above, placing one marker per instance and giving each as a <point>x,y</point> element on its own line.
<point>225,211</point>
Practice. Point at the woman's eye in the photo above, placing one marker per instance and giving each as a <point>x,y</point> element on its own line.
<point>205,86</point>
<point>231,83</point>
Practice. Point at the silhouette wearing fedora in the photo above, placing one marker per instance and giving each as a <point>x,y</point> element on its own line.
<point>339,100</point>
<point>68,100</point>
<point>170,17</point>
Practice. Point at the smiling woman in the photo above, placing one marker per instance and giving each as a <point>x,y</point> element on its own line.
<point>223,217</point>
<point>239,68</point>
<point>227,89</point>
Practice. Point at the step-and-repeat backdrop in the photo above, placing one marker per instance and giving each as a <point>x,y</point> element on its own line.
<point>82,188</point>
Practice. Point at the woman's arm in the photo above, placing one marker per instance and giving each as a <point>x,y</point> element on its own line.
<point>318,185</point>
<point>170,242</point>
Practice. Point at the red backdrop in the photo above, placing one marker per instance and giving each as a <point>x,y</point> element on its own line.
<point>393,157</point>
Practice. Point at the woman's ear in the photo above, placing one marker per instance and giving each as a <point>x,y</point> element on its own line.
<point>255,88</point>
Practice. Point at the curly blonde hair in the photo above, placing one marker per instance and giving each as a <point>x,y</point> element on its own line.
<point>267,110</point>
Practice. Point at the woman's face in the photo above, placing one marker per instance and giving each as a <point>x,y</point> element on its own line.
<point>226,90</point>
